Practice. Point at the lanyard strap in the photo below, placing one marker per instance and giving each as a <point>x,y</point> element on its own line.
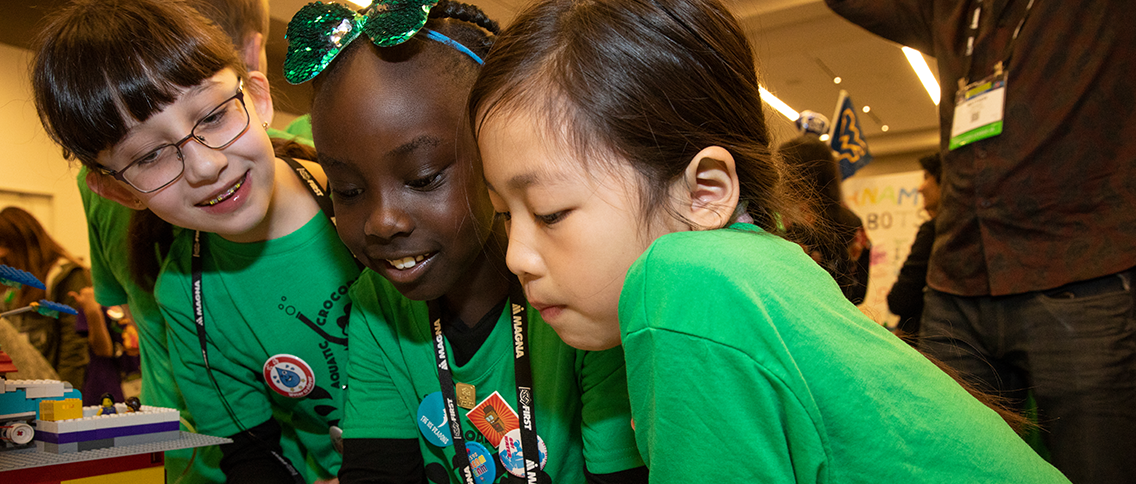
<point>972,35</point>
<point>523,377</point>
<point>324,203</point>
<point>318,192</point>
<point>199,321</point>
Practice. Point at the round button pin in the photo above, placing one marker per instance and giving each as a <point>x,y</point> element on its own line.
<point>289,375</point>
<point>512,455</point>
<point>481,463</point>
<point>432,421</point>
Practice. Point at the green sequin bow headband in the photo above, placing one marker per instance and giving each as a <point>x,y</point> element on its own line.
<point>320,31</point>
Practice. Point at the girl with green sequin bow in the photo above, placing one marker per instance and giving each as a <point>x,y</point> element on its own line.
<point>151,96</point>
<point>388,120</point>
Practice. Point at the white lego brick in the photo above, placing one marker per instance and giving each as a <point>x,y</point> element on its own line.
<point>45,388</point>
<point>84,424</point>
<point>47,426</point>
<point>143,418</point>
<point>69,425</point>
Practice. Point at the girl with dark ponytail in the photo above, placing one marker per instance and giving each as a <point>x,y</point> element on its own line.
<point>624,143</point>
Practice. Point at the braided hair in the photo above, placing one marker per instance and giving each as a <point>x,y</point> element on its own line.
<point>465,34</point>
<point>473,29</point>
<point>463,23</point>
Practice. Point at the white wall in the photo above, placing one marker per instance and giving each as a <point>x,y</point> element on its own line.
<point>31,164</point>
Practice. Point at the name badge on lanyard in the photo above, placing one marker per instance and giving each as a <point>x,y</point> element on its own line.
<point>979,108</point>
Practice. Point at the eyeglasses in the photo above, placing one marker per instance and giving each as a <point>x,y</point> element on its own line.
<point>165,164</point>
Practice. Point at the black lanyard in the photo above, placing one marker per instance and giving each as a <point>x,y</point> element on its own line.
<point>523,377</point>
<point>199,299</point>
<point>324,203</point>
<point>972,35</point>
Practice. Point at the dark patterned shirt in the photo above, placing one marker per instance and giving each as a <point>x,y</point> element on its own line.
<point>1052,200</point>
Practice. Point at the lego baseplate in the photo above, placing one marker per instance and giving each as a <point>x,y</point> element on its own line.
<point>32,457</point>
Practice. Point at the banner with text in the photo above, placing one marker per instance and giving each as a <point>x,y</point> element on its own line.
<point>892,210</point>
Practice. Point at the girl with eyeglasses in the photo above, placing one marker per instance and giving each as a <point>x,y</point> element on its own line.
<point>152,97</point>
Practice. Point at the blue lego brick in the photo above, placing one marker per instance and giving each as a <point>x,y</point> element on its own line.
<point>107,433</point>
<point>10,276</point>
<point>112,432</point>
<point>15,401</point>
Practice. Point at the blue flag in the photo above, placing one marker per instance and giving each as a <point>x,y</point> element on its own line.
<point>847,139</point>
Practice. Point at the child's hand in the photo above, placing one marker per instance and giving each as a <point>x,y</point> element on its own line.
<point>86,299</point>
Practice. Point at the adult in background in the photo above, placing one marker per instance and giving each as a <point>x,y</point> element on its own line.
<point>905,299</point>
<point>1030,277</point>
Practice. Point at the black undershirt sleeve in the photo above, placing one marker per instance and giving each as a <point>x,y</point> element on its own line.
<point>385,461</point>
<point>636,475</point>
<point>255,457</point>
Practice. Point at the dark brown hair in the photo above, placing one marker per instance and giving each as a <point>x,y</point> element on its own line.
<point>652,82</point>
<point>100,63</point>
<point>239,18</point>
<point>30,249</point>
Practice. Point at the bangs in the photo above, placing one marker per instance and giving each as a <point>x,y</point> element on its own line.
<point>102,63</point>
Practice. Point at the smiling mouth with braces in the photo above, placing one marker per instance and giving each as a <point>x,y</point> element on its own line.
<point>406,262</point>
<point>222,197</point>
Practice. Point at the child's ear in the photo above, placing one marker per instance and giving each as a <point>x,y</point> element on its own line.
<point>109,188</point>
<point>257,88</point>
<point>252,51</point>
<point>711,181</point>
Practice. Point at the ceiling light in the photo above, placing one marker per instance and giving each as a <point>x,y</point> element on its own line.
<point>836,80</point>
<point>866,109</point>
<point>919,65</point>
<point>824,137</point>
<point>777,104</point>
<point>884,128</point>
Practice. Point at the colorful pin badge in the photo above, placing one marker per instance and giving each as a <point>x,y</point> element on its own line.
<point>432,420</point>
<point>513,456</point>
<point>481,463</point>
<point>290,376</point>
<point>494,418</point>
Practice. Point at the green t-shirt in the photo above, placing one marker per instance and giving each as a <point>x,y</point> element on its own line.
<point>746,364</point>
<point>301,127</point>
<point>107,225</point>
<point>282,301</point>
<point>299,136</point>
<point>581,401</point>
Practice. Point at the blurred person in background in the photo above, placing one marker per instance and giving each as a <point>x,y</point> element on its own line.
<point>905,299</point>
<point>28,247</point>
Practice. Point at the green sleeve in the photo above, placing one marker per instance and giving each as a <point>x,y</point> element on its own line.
<point>609,441</point>
<point>370,381</point>
<point>708,411</point>
<point>100,215</point>
<point>243,388</point>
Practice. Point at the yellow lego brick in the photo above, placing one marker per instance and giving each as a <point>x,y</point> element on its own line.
<point>55,410</point>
